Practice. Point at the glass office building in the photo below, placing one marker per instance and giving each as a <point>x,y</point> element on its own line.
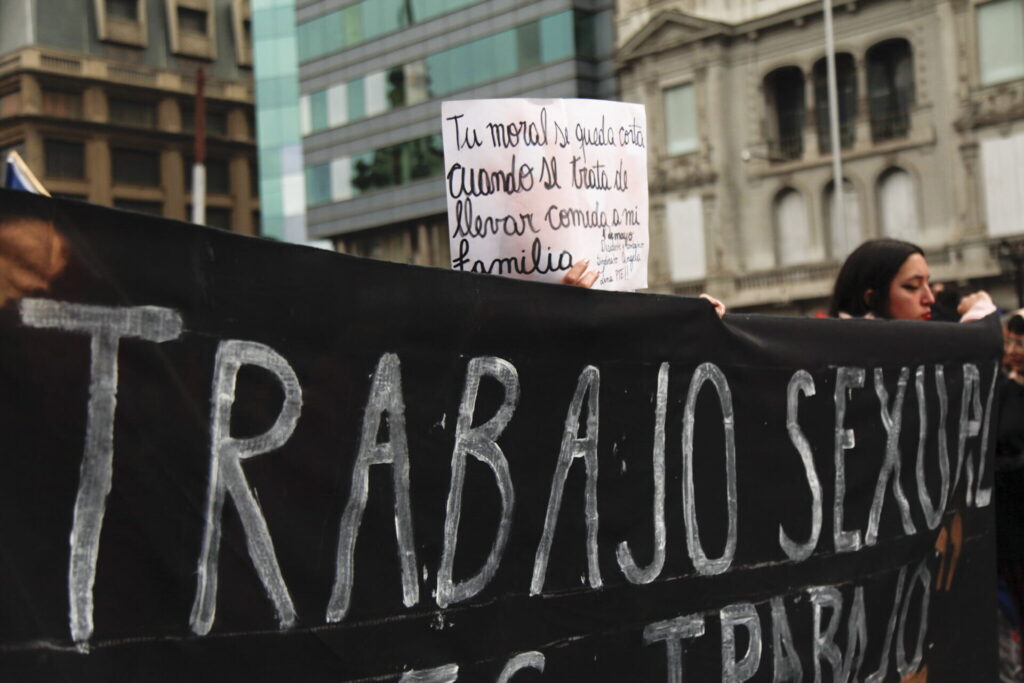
<point>372,75</point>
<point>282,191</point>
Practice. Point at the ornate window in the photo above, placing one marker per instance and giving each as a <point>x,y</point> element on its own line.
<point>784,96</point>
<point>846,83</point>
<point>797,240</point>
<point>681,120</point>
<point>897,205</point>
<point>890,89</point>
<point>842,242</point>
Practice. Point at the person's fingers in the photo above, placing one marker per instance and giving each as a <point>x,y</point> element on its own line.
<point>719,306</point>
<point>968,301</point>
<point>589,279</point>
<point>573,276</point>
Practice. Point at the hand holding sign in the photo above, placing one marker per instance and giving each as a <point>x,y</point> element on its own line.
<point>535,187</point>
<point>580,276</point>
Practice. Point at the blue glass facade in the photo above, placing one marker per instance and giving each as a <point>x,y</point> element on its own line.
<point>361,148</point>
<point>506,53</point>
<point>363,21</point>
<point>560,37</point>
<point>282,191</point>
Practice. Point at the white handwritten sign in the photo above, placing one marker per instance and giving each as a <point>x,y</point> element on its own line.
<point>535,186</point>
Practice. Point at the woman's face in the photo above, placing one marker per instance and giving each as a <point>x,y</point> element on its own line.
<point>1013,351</point>
<point>910,295</point>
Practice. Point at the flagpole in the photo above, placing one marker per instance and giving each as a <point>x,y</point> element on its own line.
<point>199,166</point>
<point>838,193</point>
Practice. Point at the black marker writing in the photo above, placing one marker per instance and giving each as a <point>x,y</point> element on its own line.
<point>537,261</point>
<point>479,182</point>
<point>467,224</point>
<point>520,133</point>
<point>467,139</point>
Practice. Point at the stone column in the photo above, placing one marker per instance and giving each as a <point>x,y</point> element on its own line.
<point>974,224</point>
<point>172,171</point>
<point>94,104</point>
<point>98,171</point>
<point>241,195</point>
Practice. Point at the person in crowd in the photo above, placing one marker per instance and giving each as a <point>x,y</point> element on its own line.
<point>579,276</point>
<point>889,278</point>
<point>1009,484</point>
<point>947,298</point>
<point>1009,459</point>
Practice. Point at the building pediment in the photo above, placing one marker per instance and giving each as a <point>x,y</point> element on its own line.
<point>668,30</point>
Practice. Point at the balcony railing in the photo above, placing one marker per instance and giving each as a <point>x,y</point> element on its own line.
<point>847,135</point>
<point>786,148</point>
<point>788,142</point>
<point>816,272</point>
<point>57,62</point>
<point>890,119</point>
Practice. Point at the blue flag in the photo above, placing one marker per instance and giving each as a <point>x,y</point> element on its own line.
<point>18,176</point>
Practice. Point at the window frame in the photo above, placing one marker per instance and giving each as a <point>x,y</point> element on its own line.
<point>976,37</point>
<point>894,123</point>
<point>813,234</point>
<point>846,75</point>
<point>916,202</point>
<point>791,147</point>
<point>241,14</point>
<point>132,101</point>
<point>114,178</point>
<point>696,119</point>
<point>47,168</point>
<point>187,44</point>
<point>114,29</point>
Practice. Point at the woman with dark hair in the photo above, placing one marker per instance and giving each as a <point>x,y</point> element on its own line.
<point>889,278</point>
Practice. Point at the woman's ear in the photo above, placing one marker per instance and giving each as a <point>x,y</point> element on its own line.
<point>868,294</point>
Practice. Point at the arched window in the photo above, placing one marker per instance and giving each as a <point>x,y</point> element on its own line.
<point>842,242</point>
<point>890,89</point>
<point>784,99</point>
<point>897,205</point>
<point>846,83</point>
<point>797,241</point>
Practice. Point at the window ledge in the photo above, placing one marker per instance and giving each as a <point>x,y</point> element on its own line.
<point>921,135</point>
<point>992,105</point>
<point>125,32</point>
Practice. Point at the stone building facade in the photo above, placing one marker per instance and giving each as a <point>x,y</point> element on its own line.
<point>98,97</point>
<point>931,102</point>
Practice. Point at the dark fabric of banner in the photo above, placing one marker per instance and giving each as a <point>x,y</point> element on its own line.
<point>226,458</point>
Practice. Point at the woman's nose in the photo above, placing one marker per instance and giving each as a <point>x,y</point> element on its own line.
<point>929,297</point>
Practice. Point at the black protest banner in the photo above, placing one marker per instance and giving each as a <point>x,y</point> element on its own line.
<point>226,458</point>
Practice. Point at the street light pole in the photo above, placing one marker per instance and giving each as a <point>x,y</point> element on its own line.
<point>838,191</point>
